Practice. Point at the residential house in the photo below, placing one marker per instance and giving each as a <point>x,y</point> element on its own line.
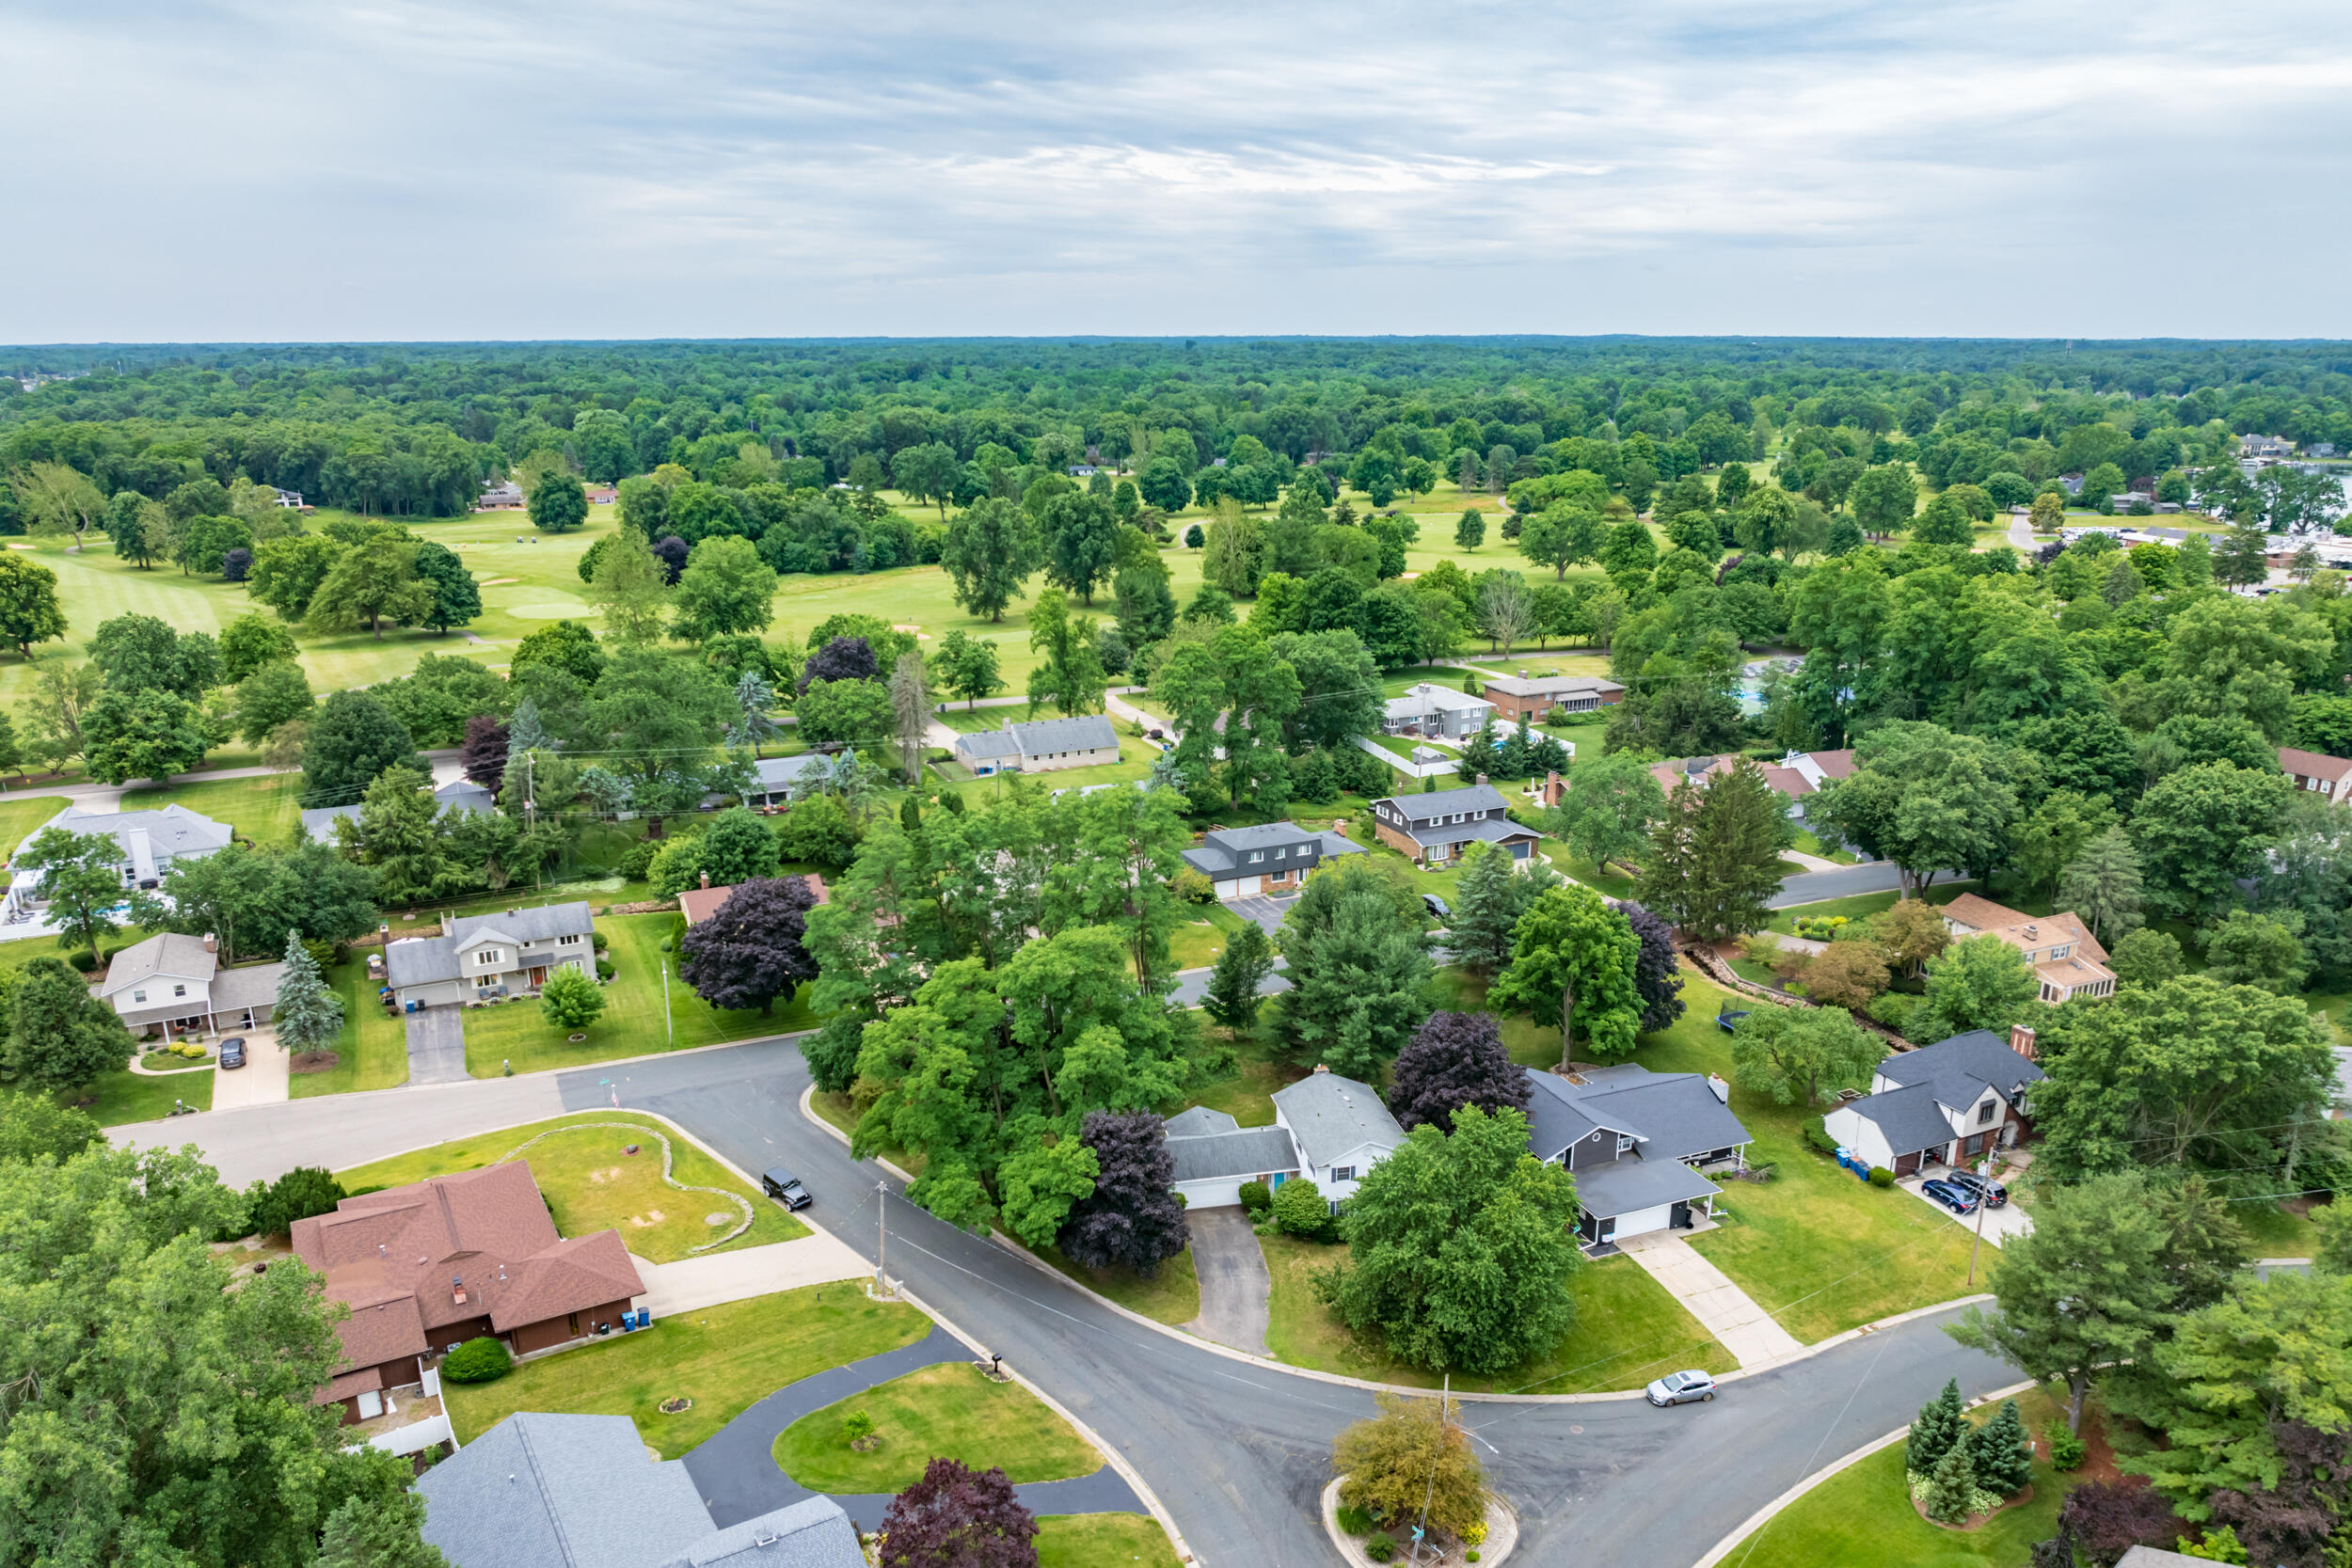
<point>318,822</point>
<point>780,781</point>
<point>1213,1155</point>
<point>1636,1142</point>
<point>699,904</point>
<point>2264,446</point>
<point>1435,828</point>
<point>1797,775</point>
<point>1041,746</point>
<point>2318,772</point>
<point>1437,711</point>
<point>1517,697</point>
<point>603,494</point>
<point>1273,857</point>
<point>292,500</point>
<point>147,843</point>
<point>2319,448</point>
<point>499,496</point>
<point>1943,1104</point>
<point>1340,1127</point>
<point>428,1266</point>
<point>2065,957</point>
<point>461,797</point>
<point>485,955</point>
<point>174,984</point>
<point>542,1491</point>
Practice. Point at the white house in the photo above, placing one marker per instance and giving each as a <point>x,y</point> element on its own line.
<point>1436,710</point>
<point>174,984</point>
<point>1340,1127</point>
<point>1043,746</point>
<point>1636,1141</point>
<point>1215,1155</point>
<point>1272,857</point>
<point>1945,1103</point>
<point>147,841</point>
<point>492,956</point>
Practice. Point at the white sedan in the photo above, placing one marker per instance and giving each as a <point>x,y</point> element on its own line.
<point>1680,1388</point>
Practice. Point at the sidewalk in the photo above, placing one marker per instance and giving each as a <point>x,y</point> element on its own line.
<point>1724,1310</point>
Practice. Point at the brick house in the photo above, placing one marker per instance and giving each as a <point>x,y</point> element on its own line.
<point>428,1266</point>
<point>1946,1103</point>
<point>1517,697</point>
<point>1435,828</point>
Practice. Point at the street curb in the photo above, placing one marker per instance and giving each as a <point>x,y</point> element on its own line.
<point>1340,1379</point>
<point>1762,1516</point>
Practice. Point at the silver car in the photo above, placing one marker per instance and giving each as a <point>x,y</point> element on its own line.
<point>1680,1388</point>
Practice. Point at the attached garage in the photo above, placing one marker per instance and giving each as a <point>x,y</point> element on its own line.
<point>1214,1156</point>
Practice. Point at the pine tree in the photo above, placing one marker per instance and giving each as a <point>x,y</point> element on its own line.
<point>1997,1453</point>
<point>1952,1486</point>
<point>1232,996</point>
<point>1934,1430</point>
<point>1486,906</point>
<point>310,1016</point>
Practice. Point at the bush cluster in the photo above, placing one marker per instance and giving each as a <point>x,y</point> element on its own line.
<point>482,1360</point>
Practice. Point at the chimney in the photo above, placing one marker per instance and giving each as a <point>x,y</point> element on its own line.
<point>2021,1041</point>
<point>1723,1090</point>
<point>1482,778</point>
<point>1320,1067</point>
<point>705,881</point>
<point>212,942</point>
<point>1554,789</point>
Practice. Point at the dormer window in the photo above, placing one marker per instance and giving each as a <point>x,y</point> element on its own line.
<point>2061,952</point>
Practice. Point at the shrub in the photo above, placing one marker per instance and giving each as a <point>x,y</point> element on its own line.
<point>1817,1134</point>
<point>1893,1008</point>
<point>1476,1535</point>
<point>1194,888</point>
<point>1300,1209</point>
<point>856,1426</point>
<point>2067,1451</point>
<point>1256,1199</point>
<point>1354,1520</point>
<point>107,954</point>
<point>1380,1548</point>
<point>598,941</point>
<point>482,1360</point>
<point>638,858</point>
<point>570,1000</point>
<point>84,961</point>
<point>1882,1176</point>
<point>605,970</point>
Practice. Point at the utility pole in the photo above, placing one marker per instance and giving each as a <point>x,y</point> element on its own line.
<point>666,1016</point>
<point>882,1238</point>
<point>1445,1407</point>
<point>1985,1170</point>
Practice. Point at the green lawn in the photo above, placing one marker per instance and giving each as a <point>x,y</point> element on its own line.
<point>373,1051</point>
<point>1171,1295</point>
<point>21,817</point>
<point>1785,921</point>
<point>263,808</point>
<point>632,1024</point>
<point>950,1411</point>
<point>1094,1540</point>
<point>1863,1517</point>
<point>1627,1331</point>
<point>591,1185</point>
<point>164,1061</point>
<point>1246,1094</point>
<point>1196,944</point>
<point>127,1097</point>
<point>723,1358</point>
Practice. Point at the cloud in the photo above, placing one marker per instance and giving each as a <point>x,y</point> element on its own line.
<point>416,168</point>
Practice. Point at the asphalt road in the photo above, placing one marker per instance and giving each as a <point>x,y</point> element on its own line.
<point>1811,887</point>
<point>1237,1452</point>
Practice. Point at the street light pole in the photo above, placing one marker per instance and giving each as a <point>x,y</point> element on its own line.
<point>1984,1170</point>
<point>666,1016</point>
<point>882,1238</point>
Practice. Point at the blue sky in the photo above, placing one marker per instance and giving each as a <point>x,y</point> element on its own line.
<point>421,170</point>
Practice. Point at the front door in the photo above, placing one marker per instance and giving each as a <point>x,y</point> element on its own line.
<point>539,974</point>
<point>1679,1219</point>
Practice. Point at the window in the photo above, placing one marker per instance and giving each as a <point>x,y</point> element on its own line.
<point>1457,816</point>
<point>1984,1111</point>
<point>179,990</point>
<point>138,996</point>
<point>570,940</point>
<point>1343,1173</point>
<point>483,982</point>
<point>488,958</point>
<point>1279,853</point>
<point>2061,952</point>
<point>1625,1141</point>
<point>571,1320</point>
<point>1256,855</point>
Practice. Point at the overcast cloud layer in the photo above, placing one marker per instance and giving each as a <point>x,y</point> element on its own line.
<point>439,169</point>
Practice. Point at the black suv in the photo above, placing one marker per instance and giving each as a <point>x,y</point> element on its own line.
<point>785,1188</point>
<point>1991,1194</point>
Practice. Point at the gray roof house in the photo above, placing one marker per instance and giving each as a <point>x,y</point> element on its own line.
<point>318,822</point>
<point>1634,1140</point>
<point>491,956</point>
<point>780,781</point>
<point>1427,709</point>
<point>1272,857</point>
<point>147,842</point>
<point>1944,1104</point>
<point>1434,828</point>
<point>1213,1155</point>
<point>540,1491</point>
<point>1340,1127</point>
<point>464,795</point>
<point>174,982</point>
<point>1041,746</point>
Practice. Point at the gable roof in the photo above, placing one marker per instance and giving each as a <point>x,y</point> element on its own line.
<point>1906,1117</point>
<point>172,830</point>
<point>2313,765</point>
<point>319,821</point>
<point>1083,732</point>
<point>1200,1121</point>
<point>1957,1069</point>
<point>464,795</point>
<point>1425,696</point>
<point>181,957</point>
<point>812,1533</point>
<point>424,961</point>
<point>1467,797</point>
<point>1624,1186</point>
<point>988,743</point>
<point>1329,1116</point>
<point>776,773</point>
<point>1244,1151</point>
<point>1675,1115</point>
<point>541,1491</point>
<point>1547,686</point>
<point>1221,849</point>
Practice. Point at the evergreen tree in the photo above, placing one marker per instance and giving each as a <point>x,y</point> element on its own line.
<point>1488,899</point>
<point>1232,998</point>
<point>1714,862</point>
<point>1998,1453</point>
<point>1951,1487</point>
<point>309,1015</point>
<point>378,1532</point>
<point>1934,1430</point>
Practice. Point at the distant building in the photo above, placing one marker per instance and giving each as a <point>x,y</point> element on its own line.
<point>1041,746</point>
<point>781,781</point>
<point>1273,857</point>
<point>698,904</point>
<point>2319,448</point>
<point>2064,956</point>
<point>1797,775</point>
<point>499,496</point>
<point>290,501</point>
<point>1517,697</point>
<point>1436,710</point>
<point>2264,446</point>
<point>2318,772</point>
<point>147,842</point>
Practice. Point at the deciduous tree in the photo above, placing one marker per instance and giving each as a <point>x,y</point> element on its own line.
<point>726,589</point>
<point>954,1517</point>
<point>353,738</point>
<point>369,584</point>
<point>1606,814</point>
<point>1132,1216</point>
<point>1793,1054</point>
<point>60,1037</point>
<point>1454,1059</point>
<point>80,881</point>
<point>1574,958</point>
<point>750,956</point>
<point>1412,1456</point>
<point>558,503</point>
<point>1979,983</point>
<point>570,999</point>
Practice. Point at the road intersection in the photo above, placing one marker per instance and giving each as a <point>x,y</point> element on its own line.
<point>1236,1449</point>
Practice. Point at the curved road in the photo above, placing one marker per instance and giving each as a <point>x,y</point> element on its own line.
<point>1237,1452</point>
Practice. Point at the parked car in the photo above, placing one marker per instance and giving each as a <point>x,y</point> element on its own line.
<point>785,1188</point>
<point>1959,1200</point>
<point>1729,1021</point>
<point>1436,906</point>
<point>1990,1193</point>
<point>232,1051</point>
<point>1680,1388</point>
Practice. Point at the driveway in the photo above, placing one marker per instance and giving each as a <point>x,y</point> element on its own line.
<point>1736,1320</point>
<point>1266,912</point>
<point>815,1258</point>
<point>1234,1285</point>
<point>2000,1223</point>
<point>437,1046</point>
<point>264,1079</point>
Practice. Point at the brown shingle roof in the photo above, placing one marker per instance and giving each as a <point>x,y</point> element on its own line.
<point>699,904</point>
<point>2313,765</point>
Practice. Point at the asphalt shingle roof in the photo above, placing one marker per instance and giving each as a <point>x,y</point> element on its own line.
<point>1907,1119</point>
<point>182,957</point>
<point>1445,803</point>
<point>1245,1151</point>
<point>172,830</point>
<point>1084,732</point>
<point>1199,1122</point>
<point>812,1533</point>
<point>1957,1069</point>
<point>540,1491</point>
<point>426,960</point>
<point>1330,1116</point>
<point>1675,1115</point>
<point>1628,1185</point>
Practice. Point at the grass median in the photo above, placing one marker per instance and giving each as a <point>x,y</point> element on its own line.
<point>951,1411</point>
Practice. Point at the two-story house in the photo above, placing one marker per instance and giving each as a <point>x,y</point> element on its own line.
<point>1517,697</point>
<point>1636,1141</point>
<point>492,956</point>
<point>1270,858</point>
<point>1943,1104</point>
<point>1435,828</point>
<point>2066,958</point>
<point>174,984</point>
<point>2318,772</point>
<point>1436,710</point>
<point>1340,1129</point>
<point>146,845</point>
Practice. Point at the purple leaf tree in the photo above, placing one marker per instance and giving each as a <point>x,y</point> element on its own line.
<point>844,658</point>
<point>1654,973</point>
<point>955,1518</point>
<point>1456,1059</point>
<point>484,754</point>
<point>750,953</point>
<point>1133,1216</point>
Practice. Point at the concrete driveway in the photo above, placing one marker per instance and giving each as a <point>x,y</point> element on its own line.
<point>437,1046</point>
<point>2000,1223</point>
<point>1266,912</point>
<point>264,1079</point>
<point>815,1258</point>
<point>1234,1285</point>
<point>1736,1320</point>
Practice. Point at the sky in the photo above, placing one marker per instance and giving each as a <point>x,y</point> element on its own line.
<point>214,170</point>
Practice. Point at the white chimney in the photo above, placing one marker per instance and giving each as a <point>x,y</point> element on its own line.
<point>212,942</point>
<point>1723,1090</point>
